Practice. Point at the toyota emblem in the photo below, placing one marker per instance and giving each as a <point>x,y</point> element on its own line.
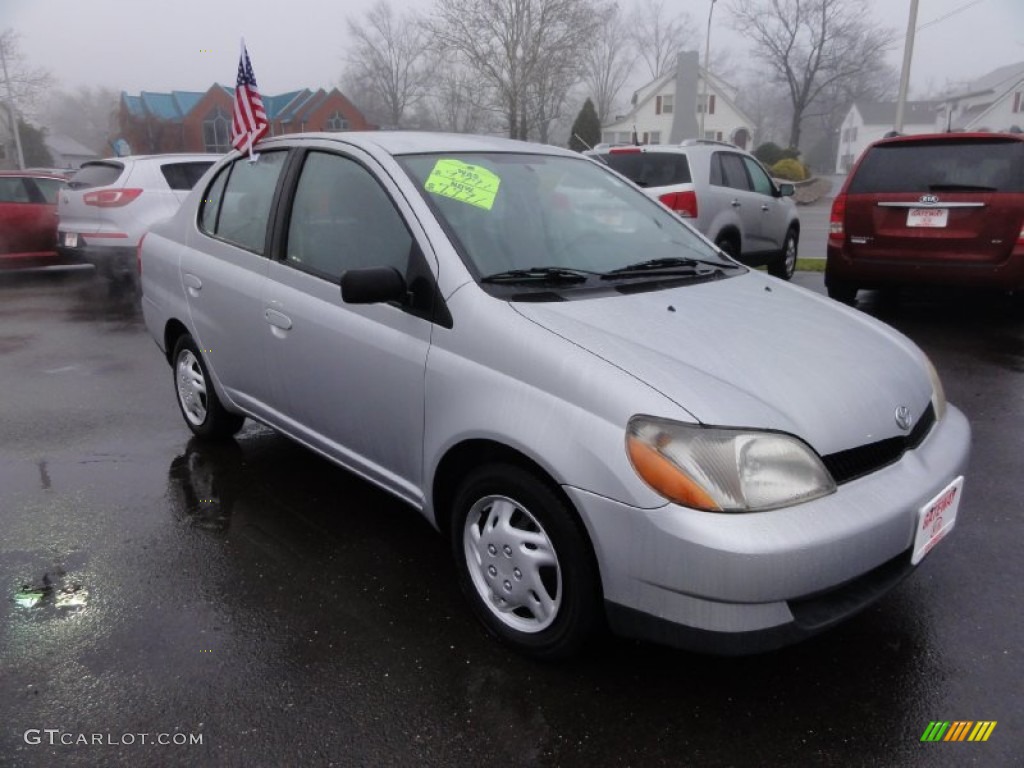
<point>903,418</point>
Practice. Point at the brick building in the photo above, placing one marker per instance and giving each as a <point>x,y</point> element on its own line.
<point>196,121</point>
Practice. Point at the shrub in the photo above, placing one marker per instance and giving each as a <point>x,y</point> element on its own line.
<point>789,169</point>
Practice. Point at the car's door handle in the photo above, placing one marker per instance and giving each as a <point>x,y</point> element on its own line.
<point>764,207</point>
<point>278,319</point>
<point>735,203</point>
<point>192,284</point>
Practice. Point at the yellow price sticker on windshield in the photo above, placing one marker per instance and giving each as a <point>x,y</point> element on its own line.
<point>471,184</point>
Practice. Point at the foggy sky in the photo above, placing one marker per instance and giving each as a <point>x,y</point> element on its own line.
<point>157,45</point>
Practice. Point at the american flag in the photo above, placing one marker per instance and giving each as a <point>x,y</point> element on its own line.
<point>250,119</point>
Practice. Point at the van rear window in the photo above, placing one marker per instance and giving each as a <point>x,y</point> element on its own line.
<point>650,169</point>
<point>942,166</point>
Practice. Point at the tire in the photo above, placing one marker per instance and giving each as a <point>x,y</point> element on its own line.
<point>524,562</point>
<point>728,244</point>
<point>841,291</point>
<point>785,265</point>
<point>197,399</point>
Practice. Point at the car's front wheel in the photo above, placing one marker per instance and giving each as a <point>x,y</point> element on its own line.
<point>784,266</point>
<point>524,562</point>
<point>197,399</point>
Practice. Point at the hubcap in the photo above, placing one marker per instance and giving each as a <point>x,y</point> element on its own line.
<point>191,388</point>
<point>790,255</point>
<point>512,564</point>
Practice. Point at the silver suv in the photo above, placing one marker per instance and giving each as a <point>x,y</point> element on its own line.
<point>725,192</point>
<point>108,205</point>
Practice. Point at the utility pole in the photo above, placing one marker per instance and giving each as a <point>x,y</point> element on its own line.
<point>704,79</point>
<point>908,55</point>
<point>11,114</point>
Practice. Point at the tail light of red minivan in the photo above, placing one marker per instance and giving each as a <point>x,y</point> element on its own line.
<point>836,225</point>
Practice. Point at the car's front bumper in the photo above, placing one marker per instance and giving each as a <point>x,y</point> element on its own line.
<point>735,583</point>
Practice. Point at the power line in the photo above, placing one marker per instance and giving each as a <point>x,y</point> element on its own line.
<point>954,12</point>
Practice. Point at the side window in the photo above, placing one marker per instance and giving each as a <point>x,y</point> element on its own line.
<point>183,176</point>
<point>13,190</point>
<point>343,219</point>
<point>762,184</point>
<point>212,198</point>
<point>717,175</point>
<point>243,208</point>
<point>50,188</point>
<point>733,171</point>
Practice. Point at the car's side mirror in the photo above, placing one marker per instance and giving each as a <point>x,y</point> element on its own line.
<point>373,285</point>
<point>786,190</point>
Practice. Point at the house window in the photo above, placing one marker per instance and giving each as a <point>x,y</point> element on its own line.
<point>706,98</point>
<point>1018,101</point>
<point>713,135</point>
<point>655,137</point>
<point>667,102</point>
<point>336,123</point>
<point>217,131</point>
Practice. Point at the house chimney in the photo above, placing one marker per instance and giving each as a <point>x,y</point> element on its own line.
<point>684,112</point>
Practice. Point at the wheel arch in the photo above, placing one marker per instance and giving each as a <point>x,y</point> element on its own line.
<point>173,331</point>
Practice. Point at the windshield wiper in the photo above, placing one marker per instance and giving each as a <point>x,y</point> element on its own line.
<point>671,264</point>
<point>959,188</point>
<point>553,274</point>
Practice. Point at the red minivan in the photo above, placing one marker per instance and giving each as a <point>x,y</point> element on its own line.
<point>28,218</point>
<point>938,208</point>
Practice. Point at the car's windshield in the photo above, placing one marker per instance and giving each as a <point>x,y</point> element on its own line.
<point>527,211</point>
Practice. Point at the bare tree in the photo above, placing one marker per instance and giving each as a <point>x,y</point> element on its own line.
<point>608,61</point>
<point>455,102</point>
<point>659,36</point>
<point>524,52</point>
<point>387,55</point>
<point>811,45</point>
<point>87,115</point>
<point>21,85</point>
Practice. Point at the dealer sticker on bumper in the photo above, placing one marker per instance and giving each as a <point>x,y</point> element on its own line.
<point>935,519</point>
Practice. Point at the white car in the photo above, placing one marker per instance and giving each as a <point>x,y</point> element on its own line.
<point>724,192</point>
<point>108,205</point>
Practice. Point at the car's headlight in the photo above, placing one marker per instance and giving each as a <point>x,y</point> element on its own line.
<point>938,393</point>
<point>724,470</point>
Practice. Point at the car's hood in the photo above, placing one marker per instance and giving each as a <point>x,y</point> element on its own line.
<point>753,351</point>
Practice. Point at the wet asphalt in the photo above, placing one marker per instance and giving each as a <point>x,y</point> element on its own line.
<point>259,600</point>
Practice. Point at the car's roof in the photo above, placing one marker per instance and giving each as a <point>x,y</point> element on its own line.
<point>924,138</point>
<point>416,142</point>
<point>35,174</point>
<point>168,156</point>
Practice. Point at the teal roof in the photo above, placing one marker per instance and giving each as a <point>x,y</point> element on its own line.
<point>175,105</point>
<point>276,104</point>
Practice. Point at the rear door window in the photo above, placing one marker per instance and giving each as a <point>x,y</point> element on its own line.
<point>96,175</point>
<point>49,188</point>
<point>762,184</point>
<point>241,212</point>
<point>651,169</point>
<point>941,166</point>
<point>183,176</point>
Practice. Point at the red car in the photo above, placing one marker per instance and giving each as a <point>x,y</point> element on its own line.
<point>938,208</point>
<point>28,218</point>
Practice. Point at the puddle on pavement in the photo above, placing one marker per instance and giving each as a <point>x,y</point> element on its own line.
<point>52,592</point>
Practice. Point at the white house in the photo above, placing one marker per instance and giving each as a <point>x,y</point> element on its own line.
<point>66,152</point>
<point>658,115</point>
<point>868,121</point>
<point>994,102</point>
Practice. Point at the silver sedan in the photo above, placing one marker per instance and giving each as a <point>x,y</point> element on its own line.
<point>609,418</point>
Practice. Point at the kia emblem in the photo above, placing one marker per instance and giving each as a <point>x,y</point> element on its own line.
<point>903,418</point>
<point>929,199</point>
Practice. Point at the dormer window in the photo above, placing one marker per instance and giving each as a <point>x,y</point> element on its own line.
<point>217,131</point>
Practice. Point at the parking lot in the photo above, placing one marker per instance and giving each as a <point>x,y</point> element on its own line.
<point>287,613</point>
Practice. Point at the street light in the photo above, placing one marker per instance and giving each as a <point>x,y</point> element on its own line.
<point>704,79</point>
<point>908,55</point>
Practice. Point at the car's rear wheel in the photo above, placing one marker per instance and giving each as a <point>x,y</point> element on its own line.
<point>784,266</point>
<point>197,399</point>
<point>524,562</point>
<point>841,291</point>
